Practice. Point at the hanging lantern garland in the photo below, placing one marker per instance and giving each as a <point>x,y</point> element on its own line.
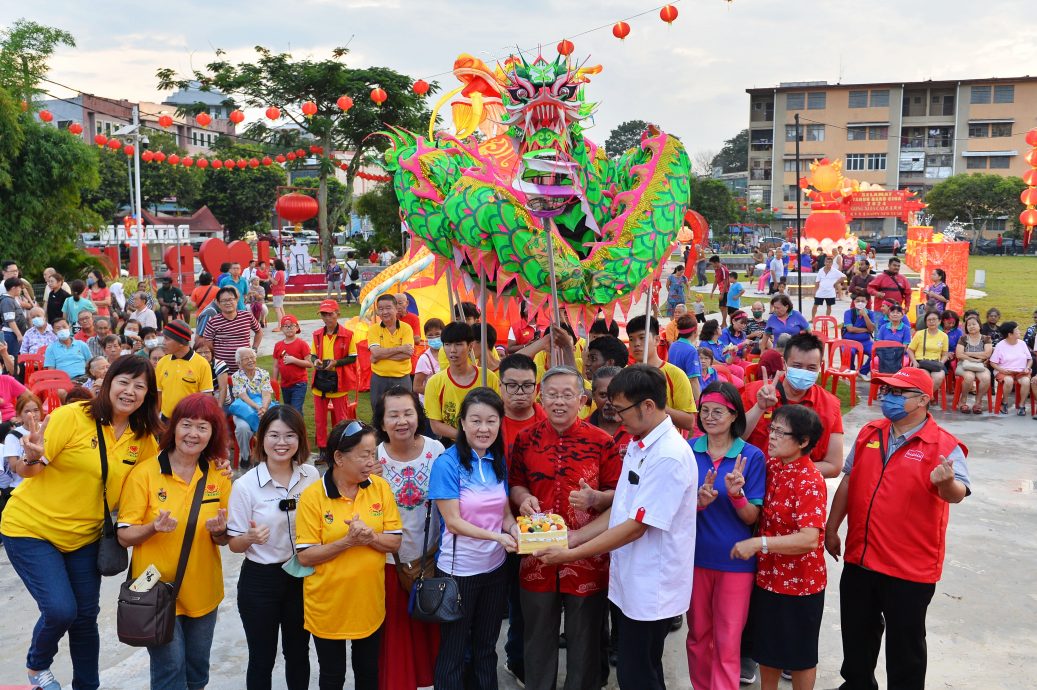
<point>668,14</point>
<point>1028,218</point>
<point>621,30</point>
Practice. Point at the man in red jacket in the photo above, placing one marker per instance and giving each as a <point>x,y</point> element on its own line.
<point>890,287</point>
<point>898,481</point>
<point>333,351</point>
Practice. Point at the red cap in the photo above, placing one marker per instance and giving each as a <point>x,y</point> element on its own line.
<point>289,318</point>
<point>328,306</point>
<point>908,377</point>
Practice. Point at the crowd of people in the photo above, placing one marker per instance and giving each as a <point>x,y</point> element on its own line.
<point>689,468</point>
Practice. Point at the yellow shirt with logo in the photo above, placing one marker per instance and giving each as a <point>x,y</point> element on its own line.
<point>62,504</point>
<point>179,377</point>
<point>678,388</point>
<point>152,487</point>
<point>443,395</point>
<point>379,336</point>
<point>344,599</point>
<point>328,347</point>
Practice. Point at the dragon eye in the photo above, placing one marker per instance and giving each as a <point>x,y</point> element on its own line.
<point>566,92</point>
<point>518,92</point>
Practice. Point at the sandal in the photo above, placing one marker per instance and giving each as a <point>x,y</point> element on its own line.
<point>976,409</point>
<point>965,409</point>
<point>1021,411</point>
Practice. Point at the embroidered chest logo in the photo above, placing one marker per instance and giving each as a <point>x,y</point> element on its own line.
<point>162,495</point>
<point>133,451</point>
<point>212,491</point>
<point>376,510</point>
<point>328,517</point>
<point>915,455</point>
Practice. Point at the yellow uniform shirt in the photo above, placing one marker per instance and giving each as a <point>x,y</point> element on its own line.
<point>379,336</point>
<point>928,346</point>
<point>443,395</point>
<point>328,347</point>
<point>344,599</point>
<point>179,377</point>
<point>678,388</point>
<point>153,486</point>
<point>62,504</point>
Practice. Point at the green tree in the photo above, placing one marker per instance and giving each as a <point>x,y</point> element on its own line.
<point>977,198</point>
<point>713,200</point>
<point>278,79</point>
<point>624,137</point>
<point>734,157</point>
<point>11,137</point>
<point>382,207</point>
<point>25,48</point>
<point>244,199</point>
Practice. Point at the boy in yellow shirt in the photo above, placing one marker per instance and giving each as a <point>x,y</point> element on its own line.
<point>446,389</point>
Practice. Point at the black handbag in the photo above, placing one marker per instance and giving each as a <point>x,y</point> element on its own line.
<point>325,380</point>
<point>435,599</point>
<point>931,365</point>
<point>147,619</point>
<point>112,557</point>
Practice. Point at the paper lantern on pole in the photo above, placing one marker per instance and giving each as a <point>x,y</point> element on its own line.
<point>300,153</point>
<point>309,109</point>
<point>1031,158</point>
<point>46,115</point>
<point>566,47</point>
<point>114,144</point>
<point>378,95</point>
<point>101,140</point>
<point>128,149</point>
<point>316,150</point>
<point>1028,217</point>
<point>174,159</point>
<point>241,163</point>
<point>253,163</point>
<point>1030,177</point>
<point>203,119</point>
<point>420,87</point>
<point>159,157</point>
<point>237,117</point>
<point>296,208</point>
<point>187,161</point>
<point>621,30</point>
<point>344,103</point>
<point>217,164</point>
<point>668,14</point>
<point>202,163</point>
<point>273,113</point>
<point>1031,137</point>
<point>75,128</point>
<point>291,156</point>
<point>165,121</point>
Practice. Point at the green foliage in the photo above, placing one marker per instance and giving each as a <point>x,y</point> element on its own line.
<point>242,200</point>
<point>734,157</point>
<point>976,198</point>
<point>713,200</point>
<point>382,207</point>
<point>624,137</point>
<point>25,48</point>
<point>11,137</point>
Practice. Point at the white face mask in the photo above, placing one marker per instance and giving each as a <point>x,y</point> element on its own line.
<point>131,334</point>
<point>64,334</point>
<point>151,342</point>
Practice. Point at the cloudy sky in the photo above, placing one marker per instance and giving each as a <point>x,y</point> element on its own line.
<point>689,77</point>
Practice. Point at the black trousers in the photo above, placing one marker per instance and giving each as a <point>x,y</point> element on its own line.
<point>640,663</point>
<point>484,600</point>
<point>269,602</point>
<point>869,603</point>
<point>331,656</point>
<point>543,612</point>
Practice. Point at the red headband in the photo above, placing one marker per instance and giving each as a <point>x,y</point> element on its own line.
<point>718,399</point>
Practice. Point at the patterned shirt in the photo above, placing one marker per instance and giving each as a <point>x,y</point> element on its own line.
<point>409,483</point>
<point>33,340</point>
<point>795,500</point>
<point>228,335</point>
<point>257,385</point>
<point>550,466</point>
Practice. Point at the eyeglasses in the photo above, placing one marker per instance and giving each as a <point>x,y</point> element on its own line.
<point>779,433</point>
<point>715,412</point>
<point>621,410</point>
<point>565,397</point>
<point>523,388</point>
<point>899,392</point>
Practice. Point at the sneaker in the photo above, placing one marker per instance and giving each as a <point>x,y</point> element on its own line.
<point>676,623</point>
<point>747,675</point>
<point>518,671</point>
<point>44,680</point>
<point>787,675</point>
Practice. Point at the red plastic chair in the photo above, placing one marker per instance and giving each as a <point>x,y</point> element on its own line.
<point>48,390</point>
<point>31,363</point>
<point>752,372</point>
<point>999,398</point>
<point>826,328</point>
<point>849,351</point>
<point>49,375</point>
<point>957,395</point>
<point>873,389</point>
<point>277,389</point>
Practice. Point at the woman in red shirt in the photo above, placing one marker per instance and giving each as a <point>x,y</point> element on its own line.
<point>99,293</point>
<point>789,597</point>
<point>277,284</point>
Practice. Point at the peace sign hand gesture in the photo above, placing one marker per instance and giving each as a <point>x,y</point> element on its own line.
<point>706,492</point>
<point>733,480</point>
<point>767,396</point>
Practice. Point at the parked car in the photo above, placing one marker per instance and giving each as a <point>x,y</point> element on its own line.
<point>768,243</point>
<point>1010,246</point>
<point>884,245</point>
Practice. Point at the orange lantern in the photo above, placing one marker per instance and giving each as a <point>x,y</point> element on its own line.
<point>566,47</point>
<point>280,158</point>
<point>1031,137</point>
<point>267,160</point>
<point>291,156</point>
<point>344,103</point>
<point>217,164</point>
<point>114,144</point>
<point>309,108</point>
<point>621,30</point>
<point>1028,217</point>
<point>174,159</point>
<point>101,140</point>
<point>378,95</point>
<point>46,115</point>
<point>420,87</point>
<point>1029,196</point>
<point>203,119</point>
<point>128,149</point>
<point>1031,158</point>
<point>147,156</point>
<point>273,113</point>
<point>202,163</point>
<point>1030,177</point>
<point>75,128</point>
<point>237,117</point>
<point>668,14</point>
<point>165,121</point>
<point>187,161</point>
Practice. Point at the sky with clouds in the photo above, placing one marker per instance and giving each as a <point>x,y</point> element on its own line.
<point>690,77</point>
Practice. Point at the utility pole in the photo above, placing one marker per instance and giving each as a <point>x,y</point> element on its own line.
<point>139,215</point>
<point>799,223</point>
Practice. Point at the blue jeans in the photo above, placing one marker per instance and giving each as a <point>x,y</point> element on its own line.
<point>67,590</point>
<point>13,346</point>
<point>184,662</point>
<point>294,395</point>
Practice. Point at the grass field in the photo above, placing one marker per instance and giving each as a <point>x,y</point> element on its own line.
<point>1011,286</point>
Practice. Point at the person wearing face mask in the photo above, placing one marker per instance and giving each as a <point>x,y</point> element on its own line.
<point>892,564</point>
<point>149,338</point>
<point>756,329</point>
<point>859,325</point>
<point>68,355</point>
<point>428,362</point>
<point>39,335</point>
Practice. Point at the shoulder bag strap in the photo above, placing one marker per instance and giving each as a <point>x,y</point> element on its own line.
<point>192,522</point>
<point>424,540</point>
<point>102,449</point>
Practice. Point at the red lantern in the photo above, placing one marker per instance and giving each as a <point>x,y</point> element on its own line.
<point>774,209</point>
<point>420,87</point>
<point>309,108</point>
<point>280,158</point>
<point>187,161</point>
<point>1028,217</point>
<point>300,153</point>
<point>174,159</point>
<point>1031,137</point>
<point>758,209</point>
<point>159,157</point>
<point>378,95</point>
<point>273,113</point>
<point>203,119</point>
<point>745,208</point>
<point>1029,196</point>
<point>621,30</point>
<point>344,166</point>
<point>229,164</point>
<point>804,183</point>
<point>566,47</point>
<point>75,128</point>
<point>344,103</point>
<point>147,156</point>
<point>1030,177</point>
<point>267,160</point>
<point>241,163</point>
<point>296,208</point>
<point>202,164</point>
<point>165,121</point>
<point>253,163</point>
<point>668,14</point>
<point>128,149</point>
<point>291,156</point>
<point>316,149</point>
<point>46,115</point>
<point>1031,158</point>
<point>237,117</point>
<point>114,144</point>
<point>101,140</point>
<point>217,164</point>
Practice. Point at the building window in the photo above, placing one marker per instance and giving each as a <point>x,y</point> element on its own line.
<point>766,197</point>
<point>980,95</point>
<point>795,101</point>
<point>938,166</point>
<point>999,162</point>
<point>880,98</point>
<point>876,161</point>
<point>1004,94</point>
<point>940,137</point>
<point>854,161</point>
<point>815,133</point>
<point>858,99</point>
<point>913,137</point>
<point>856,133</point>
<point>878,133</point>
<point>791,193</point>
<point>790,133</point>
<point>979,130</point>
<point>790,165</point>
<point>817,100</point>
<point>1001,129</point>
<point>976,163</point>
<point>760,169</point>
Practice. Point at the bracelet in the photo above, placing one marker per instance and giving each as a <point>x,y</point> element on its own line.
<point>763,541</point>
<point>26,461</point>
<point>739,501</point>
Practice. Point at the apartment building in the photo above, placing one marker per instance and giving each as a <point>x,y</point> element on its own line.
<point>899,135</point>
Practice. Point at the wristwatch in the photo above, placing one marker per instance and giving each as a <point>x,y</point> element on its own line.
<point>763,541</point>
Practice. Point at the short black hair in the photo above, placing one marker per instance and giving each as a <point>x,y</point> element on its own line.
<point>804,342</point>
<point>709,330</point>
<point>204,278</point>
<point>611,349</point>
<point>715,259</point>
<point>145,331</point>
<point>640,382</point>
<point>384,297</point>
<point>637,325</point>
<point>491,334</point>
<point>804,424</point>
<point>517,361</point>
<point>731,395</point>
<point>468,310</point>
<point>1006,328</point>
<point>11,283</point>
<point>378,411</point>
<point>226,289</point>
<point>602,327</point>
<point>224,267</point>
<point>457,332</point>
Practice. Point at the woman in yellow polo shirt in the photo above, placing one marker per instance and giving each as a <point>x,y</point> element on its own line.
<point>153,520</point>
<point>930,348</point>
<point>52,523</point>
<point>345,525</point>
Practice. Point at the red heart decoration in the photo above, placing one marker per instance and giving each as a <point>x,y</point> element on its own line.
<point>186,265</point>
<point>215,251</point>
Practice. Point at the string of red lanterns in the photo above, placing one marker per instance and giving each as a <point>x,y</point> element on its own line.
<point>1028,218</point>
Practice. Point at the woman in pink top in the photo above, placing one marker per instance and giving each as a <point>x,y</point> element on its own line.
<point>99,293</point>
<point>277,284</point>
<point>1011,362</point>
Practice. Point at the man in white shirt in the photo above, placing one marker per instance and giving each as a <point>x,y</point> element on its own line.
<point>828,280</point>
<point>141,313</point>
<point>777,268</point>
<point>651,521</point>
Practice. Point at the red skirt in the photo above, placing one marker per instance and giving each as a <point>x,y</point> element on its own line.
<point>407,658</point>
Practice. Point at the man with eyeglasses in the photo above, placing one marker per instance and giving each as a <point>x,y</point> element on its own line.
<point>392,345</point>
<point>237,281</point>
<point>649,529</point>
<point>230,328</point>
<point>899,480</point>
<point>333,351</point>
<point>563,465</point>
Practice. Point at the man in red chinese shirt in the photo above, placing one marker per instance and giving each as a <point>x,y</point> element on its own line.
<point>890,287</point>
<point>564,465</point>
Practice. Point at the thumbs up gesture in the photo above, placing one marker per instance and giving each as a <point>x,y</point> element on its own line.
<point>257,534</point>
<point>585,498</point>
<point>942,473</point>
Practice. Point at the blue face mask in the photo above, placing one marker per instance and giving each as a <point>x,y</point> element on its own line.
<point>38,321</point>
<point>435,343</point>
<point>893,407</point>
<point>800,379</point>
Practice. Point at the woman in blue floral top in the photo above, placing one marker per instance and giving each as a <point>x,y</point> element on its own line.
<point>251,395</point>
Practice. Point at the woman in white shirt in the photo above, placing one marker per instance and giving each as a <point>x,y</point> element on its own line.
<point>405,459</point>
<point>27,408</point>
<point>262,525</point>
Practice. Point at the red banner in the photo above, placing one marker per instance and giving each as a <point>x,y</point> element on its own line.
<point>892,203</point>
